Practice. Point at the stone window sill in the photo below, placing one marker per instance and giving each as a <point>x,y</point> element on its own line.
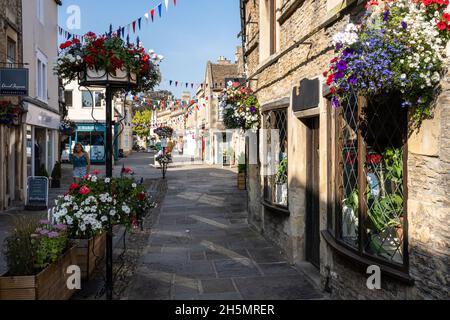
<point>276,208</point>
<point>366,261</point>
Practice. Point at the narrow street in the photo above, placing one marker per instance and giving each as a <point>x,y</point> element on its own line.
<point>202,248</point>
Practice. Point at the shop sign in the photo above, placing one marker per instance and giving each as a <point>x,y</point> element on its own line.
<point>13,82</point>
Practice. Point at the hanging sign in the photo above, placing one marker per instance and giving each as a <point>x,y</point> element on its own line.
<point>306,96</point>
<point>13,82</point>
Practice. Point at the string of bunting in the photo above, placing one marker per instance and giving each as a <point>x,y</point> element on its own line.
<point>133,26</point>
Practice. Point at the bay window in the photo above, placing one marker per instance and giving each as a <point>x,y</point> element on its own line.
<point>371,195</point>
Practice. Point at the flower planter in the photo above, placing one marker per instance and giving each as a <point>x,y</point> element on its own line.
<point>242,181</point>
<point>282,194</point>
<point>101,77</point>
<point>49,284</point>
<point>89,253</point>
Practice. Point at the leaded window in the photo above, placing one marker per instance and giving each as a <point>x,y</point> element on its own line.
<point>371,154</point>
<point>276,158</point>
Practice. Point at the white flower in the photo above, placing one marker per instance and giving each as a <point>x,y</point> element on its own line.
<point>107,180</point>
<point>104,218</point>
<point>94,179</point>
<point>112,213</point>
<point>134,185</point>
<point>126,209</point>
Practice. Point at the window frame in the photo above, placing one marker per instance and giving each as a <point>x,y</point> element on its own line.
<point>273,27</point>
<point>41,77</point>
<point>270,203</point>
<point>71,98</point>
<point>11,62</point>
<point>40,11</point>
<point>401,271</point>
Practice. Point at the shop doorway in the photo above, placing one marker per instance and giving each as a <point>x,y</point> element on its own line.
<point>312,193</point>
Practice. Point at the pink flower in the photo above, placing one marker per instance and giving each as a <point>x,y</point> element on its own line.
<point>127,170</point>
<point>95,172</point>
<point>85,191</point>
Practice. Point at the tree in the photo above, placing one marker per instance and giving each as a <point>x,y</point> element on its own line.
<point>142,122</point>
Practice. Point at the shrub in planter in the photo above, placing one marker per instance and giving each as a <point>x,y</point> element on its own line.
<point>37,255</point>
<point>56,175</point>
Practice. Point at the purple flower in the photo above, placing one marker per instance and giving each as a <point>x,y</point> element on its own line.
<point>61,227</point>
<point>347,53</point>
<point>339,46</point>
<point>53,235</point>
<point>339,75</point>
<point>44,222</point>
<point>404,25</point>
<point>44,232</point>
<point>253,110</point>
<point>353,80</point>
<point>341,66</point>
<point>386,15</point>
<point>335,102</point>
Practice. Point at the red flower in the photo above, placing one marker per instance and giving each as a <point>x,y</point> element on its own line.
<point>85,191</point>
<point>334,60</point>
<point>141,196</point>
<point>95,172</point>
<point>446,16</point>
<point>116,63</point>
<point>330,79</point>
<point>74,186</point>
<point>373,159</point>
<point>333,90</point>
<point>127,170</point>
<point>76,41</point>
<point>89,60</point>
<point>441,25</point>
<point>325,74</point>
<point>90,35</point>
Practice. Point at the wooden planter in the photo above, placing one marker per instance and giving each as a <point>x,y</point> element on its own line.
<point>242,185</point>
<point>49,284</point>
<point>89,253</point>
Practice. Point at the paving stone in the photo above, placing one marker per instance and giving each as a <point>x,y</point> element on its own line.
<point>147,287</point>
<point>276,288</point>
<point>270,269</point>
<point>226,254</point>
<point>197,255</point>
<point>217,286</point>
<point>197,270</point>
<point>267,255</point>
<point>236,268</point>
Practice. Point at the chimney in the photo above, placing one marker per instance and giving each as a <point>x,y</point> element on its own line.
<point>223,60</point>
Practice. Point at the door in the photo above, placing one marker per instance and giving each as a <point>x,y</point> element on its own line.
<point>312,196</point>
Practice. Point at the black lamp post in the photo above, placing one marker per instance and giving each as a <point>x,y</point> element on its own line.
<point>112,83</point>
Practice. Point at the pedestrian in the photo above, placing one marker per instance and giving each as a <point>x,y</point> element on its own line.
<point>81,163</point>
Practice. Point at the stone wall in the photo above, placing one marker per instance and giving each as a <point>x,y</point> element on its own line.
<point>428,165</point>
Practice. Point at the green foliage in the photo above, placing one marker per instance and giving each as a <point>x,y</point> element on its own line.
<point>42,172</point>
<point>142,122</point>
<point>18,249</point>
<point>56,173</point>
<point>282,172</point>
<point>353,201</point>
<point>49,247</point>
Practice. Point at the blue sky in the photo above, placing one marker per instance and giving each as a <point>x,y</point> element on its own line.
<point>188,35</point>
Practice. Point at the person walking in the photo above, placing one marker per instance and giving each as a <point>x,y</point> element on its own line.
<point>81,163</point>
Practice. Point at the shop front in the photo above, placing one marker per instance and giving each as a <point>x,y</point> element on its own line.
<point>93,139</point>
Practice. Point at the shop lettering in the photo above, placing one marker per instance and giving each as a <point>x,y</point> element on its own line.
<point>12,86</point>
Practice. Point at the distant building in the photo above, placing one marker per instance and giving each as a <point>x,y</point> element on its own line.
<point>87,108</point>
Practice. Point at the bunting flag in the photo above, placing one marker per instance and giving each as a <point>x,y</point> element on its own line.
<point>160,9</point>
<point>130,26</point>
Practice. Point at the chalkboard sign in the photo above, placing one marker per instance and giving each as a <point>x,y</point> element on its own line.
<point>37,198</point>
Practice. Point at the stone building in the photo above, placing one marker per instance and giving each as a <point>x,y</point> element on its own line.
<point>12,137</point>
<point>212,139</point>
<point>313,216</point>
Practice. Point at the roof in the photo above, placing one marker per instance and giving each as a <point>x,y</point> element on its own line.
<point>221,71</point>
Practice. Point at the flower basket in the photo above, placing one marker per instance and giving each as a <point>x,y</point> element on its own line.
<point>9,113</point>
<point>164,132</point>
<point>89,253</point>
<point>49,284</point>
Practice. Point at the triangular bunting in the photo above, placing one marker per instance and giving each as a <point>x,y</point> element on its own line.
<point>160,9</point>
<point>152,13</point>
<point>167,4</point>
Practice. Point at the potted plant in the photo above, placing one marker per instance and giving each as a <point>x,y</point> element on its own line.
<point>42,172</point>
<point>38,255</point>
<point>56,176</point>
<point>9,113</point>
<point>281,182</point>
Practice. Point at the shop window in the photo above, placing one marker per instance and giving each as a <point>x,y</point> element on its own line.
<point>92,99</point>
<point>371,194</point>
<point>275,164</point>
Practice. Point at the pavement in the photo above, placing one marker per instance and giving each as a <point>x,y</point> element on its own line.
<point>198,245</point>
<point>202,248</point>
